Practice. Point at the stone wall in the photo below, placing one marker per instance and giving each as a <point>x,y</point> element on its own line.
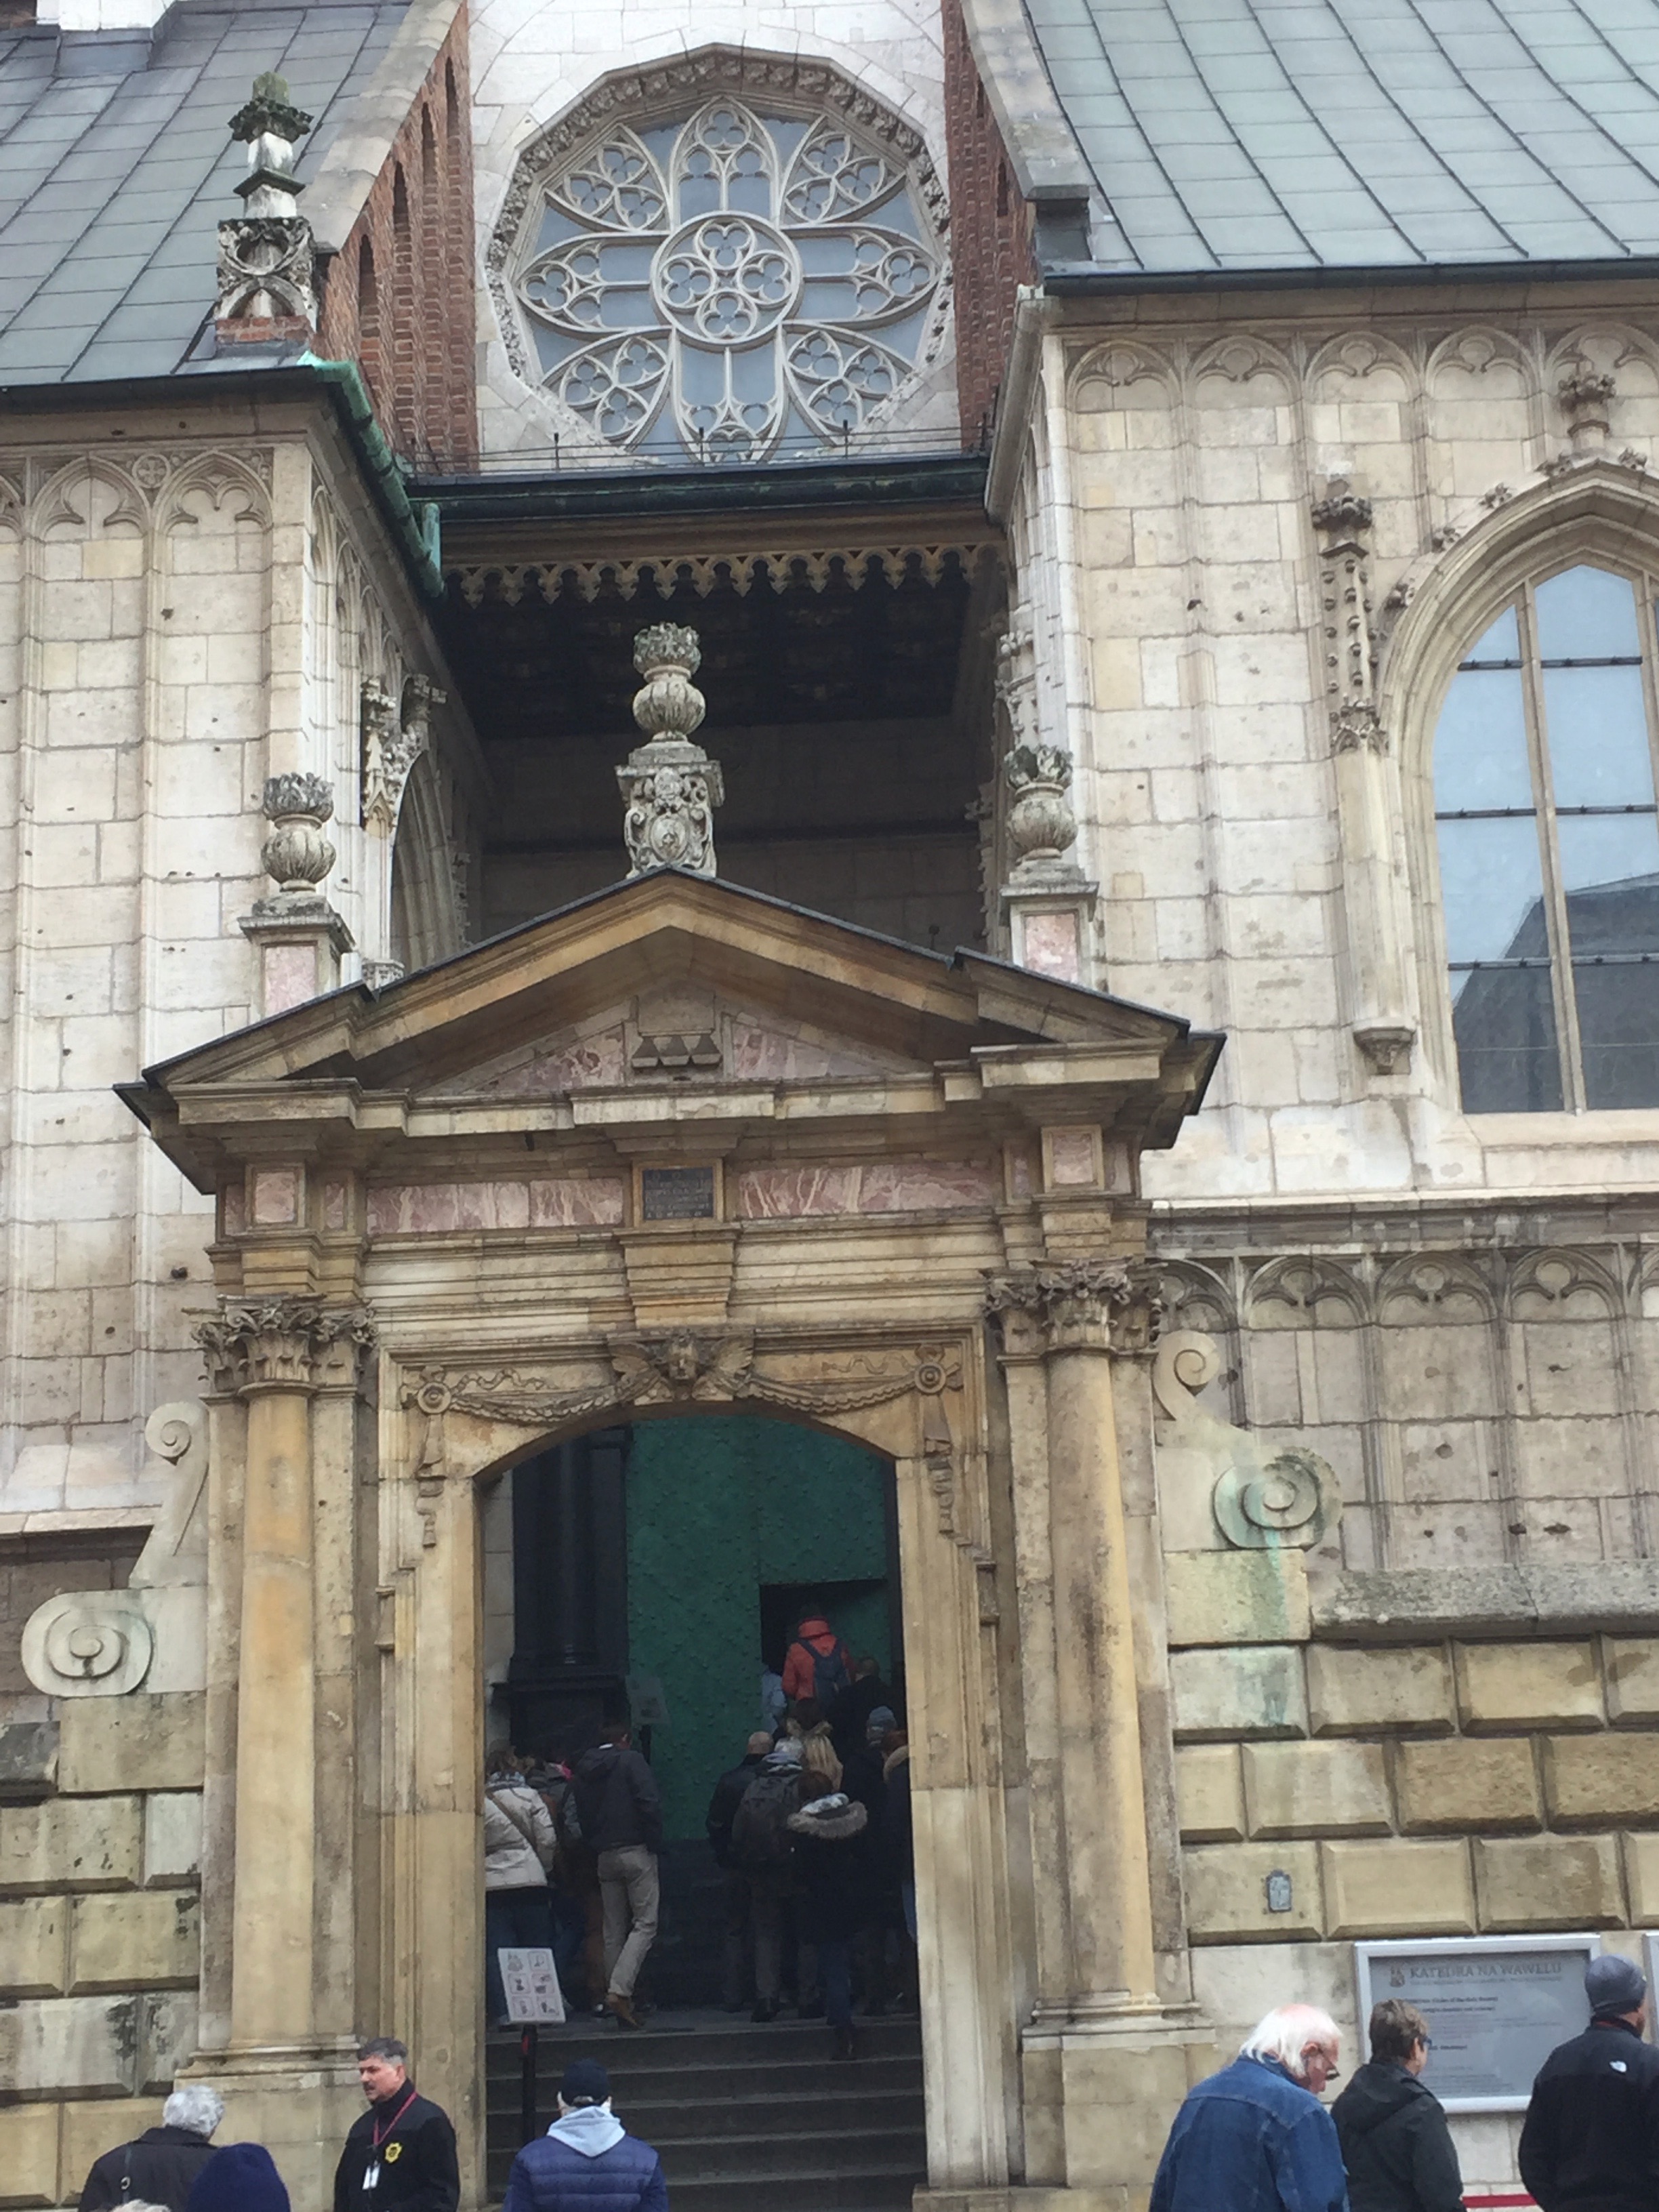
<point>100,1949</point>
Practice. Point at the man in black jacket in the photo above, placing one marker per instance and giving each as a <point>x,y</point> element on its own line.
<point>722,1811</point>
<point>1395,2143</point>
<point>1591,2138</point>
<point>402,2151</point>
<point>621,1812</point>
<point>161,2165</point>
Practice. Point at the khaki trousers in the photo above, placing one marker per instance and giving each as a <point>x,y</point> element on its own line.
<point>628,1885</point>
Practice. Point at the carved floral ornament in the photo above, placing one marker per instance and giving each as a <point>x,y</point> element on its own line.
<point>718,255</point>
<point>1080,1305</point>
<point>281,1343</point>
<point>739,570</point>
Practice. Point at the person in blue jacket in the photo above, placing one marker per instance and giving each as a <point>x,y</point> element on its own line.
<point>1254,2137</point>
<point>586,2161</point>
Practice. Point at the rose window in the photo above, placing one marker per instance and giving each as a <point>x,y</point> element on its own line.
<point>729,284</point>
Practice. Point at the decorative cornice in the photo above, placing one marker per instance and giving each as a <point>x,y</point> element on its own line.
<point>1093,1305</point>
<point>279,1343</point>
<point>781,567</point>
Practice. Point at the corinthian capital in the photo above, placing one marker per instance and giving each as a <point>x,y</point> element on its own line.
<point>1102,1305</point>
<point>280,1344</point>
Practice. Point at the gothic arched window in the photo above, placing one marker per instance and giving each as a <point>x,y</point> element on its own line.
<point>728,278</point>
<point>1545,761</point>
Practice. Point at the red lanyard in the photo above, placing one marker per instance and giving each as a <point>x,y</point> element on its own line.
<point>380,2133</point>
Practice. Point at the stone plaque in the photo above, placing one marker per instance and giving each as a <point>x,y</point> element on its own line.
<point>677,1194</point>
<point>1496,2007</point>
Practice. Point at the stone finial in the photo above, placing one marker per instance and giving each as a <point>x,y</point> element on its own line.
<point>669,785</point>
<point>296,852</point>
<point>1586,398</point>
<point>1041,826</point>
<point>266,283</point>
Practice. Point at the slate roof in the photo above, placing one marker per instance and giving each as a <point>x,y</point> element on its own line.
<point>1284,134</point>
<point>114,178</point>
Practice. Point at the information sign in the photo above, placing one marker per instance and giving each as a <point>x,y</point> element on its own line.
<point>1497,2007</point>
<point>532,1983</point>
<point>677,1194</point>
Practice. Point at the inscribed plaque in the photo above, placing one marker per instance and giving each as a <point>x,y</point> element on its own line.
<point>677,1194</point>
<point>1495,2009</point>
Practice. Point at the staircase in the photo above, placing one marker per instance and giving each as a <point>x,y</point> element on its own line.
<point>747,2119</point>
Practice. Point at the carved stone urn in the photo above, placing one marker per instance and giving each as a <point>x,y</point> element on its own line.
<point>670,784</point>
<point>296,852</point>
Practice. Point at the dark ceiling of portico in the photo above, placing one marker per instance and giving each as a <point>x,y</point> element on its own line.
<point>536,671</point>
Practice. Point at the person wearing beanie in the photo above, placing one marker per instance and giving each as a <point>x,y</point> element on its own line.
<point>161,2165</point>
<point>402,2151</point>
<point>586,2161</point>
<point>1591,2139</point>
<point>241,2178</point>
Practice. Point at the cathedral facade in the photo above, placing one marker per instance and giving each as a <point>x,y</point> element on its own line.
<point>826,713</point>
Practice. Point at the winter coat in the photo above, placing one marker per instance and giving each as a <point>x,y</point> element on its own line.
<point>800,1677</point>
<point>761,1842</point>
<point>723,1806</point>
<point>160,2164</point>
<point>548,2176</point>
<point>861,1778</point>
<point>520,1838</point>
<point>1591,2138</point>
<point>1250,2140</point>
<point>417,2162</point>
<point>240,2178</point>
<point>834,1885</point>
<point>849,1716</point>
<point>1395,2143</point>
<point>897,1841</point>
<point>617,1799</point>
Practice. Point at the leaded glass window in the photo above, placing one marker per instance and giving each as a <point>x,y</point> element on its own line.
<point>729,282</point>
<point>1544,783</point>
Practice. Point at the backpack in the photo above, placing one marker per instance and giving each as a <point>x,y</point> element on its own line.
<point>760,1826</point>
<point>567,1820</point>
<point>830,1673</point>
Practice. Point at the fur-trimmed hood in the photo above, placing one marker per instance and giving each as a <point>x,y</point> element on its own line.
<point>830,1819</point>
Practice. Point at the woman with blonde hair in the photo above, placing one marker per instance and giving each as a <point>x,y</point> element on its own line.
<point>818,1756</point>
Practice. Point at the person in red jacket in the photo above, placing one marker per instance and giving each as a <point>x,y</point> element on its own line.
<point>819,1664</point>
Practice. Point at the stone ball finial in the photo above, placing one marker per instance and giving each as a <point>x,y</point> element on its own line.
<point>668,704</point>
<point>296,852</point>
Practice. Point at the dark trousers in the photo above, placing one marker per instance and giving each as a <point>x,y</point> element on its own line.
<point>514,1920</point>
<point>734,1885</point>
<point>836,1979</point>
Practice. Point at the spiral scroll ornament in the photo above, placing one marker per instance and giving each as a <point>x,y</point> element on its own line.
<point>1289,1501</point>
<point>90,1643</point>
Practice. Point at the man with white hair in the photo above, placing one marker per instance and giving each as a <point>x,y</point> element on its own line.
<point>1254,2137</point>
<point>161,2165</point>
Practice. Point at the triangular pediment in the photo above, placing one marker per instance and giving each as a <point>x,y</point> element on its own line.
<point>675,982</point>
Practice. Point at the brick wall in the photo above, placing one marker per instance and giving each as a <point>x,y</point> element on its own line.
<point>991,249</point>
<point>398,296</point>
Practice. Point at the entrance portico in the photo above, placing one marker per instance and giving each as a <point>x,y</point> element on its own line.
<point>682,1146</point>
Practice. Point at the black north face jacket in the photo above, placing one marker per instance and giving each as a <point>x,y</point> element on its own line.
<point>1591,2140</point>
<point>1395,2143</point>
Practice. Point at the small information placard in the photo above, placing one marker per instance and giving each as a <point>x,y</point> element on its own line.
<point>677,1194</point>
<point>1497,2007</point>
<point>532,1983</point>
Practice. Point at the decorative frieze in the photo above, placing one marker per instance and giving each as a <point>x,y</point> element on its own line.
<point>670,784</point>
<point>281,1344</point>
<point>739,570</point>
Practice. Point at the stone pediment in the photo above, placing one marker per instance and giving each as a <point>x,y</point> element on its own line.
<point>676,983</point>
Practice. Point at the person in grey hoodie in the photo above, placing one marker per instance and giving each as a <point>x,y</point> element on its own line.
<point>586,2161</point>
<point>1392,2129</point>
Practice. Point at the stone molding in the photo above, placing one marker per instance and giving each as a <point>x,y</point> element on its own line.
<point>280,1344</point>
<point>738,568</point>
<point>1077,1305</point>
<point>1407,1605</point>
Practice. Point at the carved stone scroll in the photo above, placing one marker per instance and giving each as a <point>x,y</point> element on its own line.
<point>1288,1501</point>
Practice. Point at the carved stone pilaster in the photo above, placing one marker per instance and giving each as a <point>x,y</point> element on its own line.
<point>1343,520</point>
<point>1080,1305</point>
<point>281,1344</point>
<point>266,277</point>
<point>670,784</point>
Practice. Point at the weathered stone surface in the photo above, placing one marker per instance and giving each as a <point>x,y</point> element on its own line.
<point>135,1742</point>
<point>1593,1781</point>
<point>87,1843</point>
<point>1633,1667</point>
<point>1412,1604</point>
<point>1227,1891</point>
<point>68,2046</point>
<point>1547,1882</point>
<point>1352,1690</point>
<point>168,2025</point>
<point>1511,1686</point>
<point>1473,1782</point>
<point>1316,1789</point>
<point>1641,1854</point>
<point>1398,1889</point>
<point>28,2153</point>
<point>28,1757</point>
<point>147,1941</point>
<point>1237,1597</point>
<point>35,1947</point>
<point>1247,1690</point>
<point>1210,1788</point>
<point>172,1836</point>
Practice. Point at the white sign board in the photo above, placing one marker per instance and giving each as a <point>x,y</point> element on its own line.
<point>532,1983</point>
<point>1497,2006</point>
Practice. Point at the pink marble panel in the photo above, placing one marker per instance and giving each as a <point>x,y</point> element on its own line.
<point>789,1193</point>
<point>334,1205</point>
<point>1051,947</point>
<point>570,1203</point>
<point>914,1186</point>
<point>1072,1156</point>
<point>235,1209</point>
<point>594,1063</point>
<point>764,1056</point>
<point>276,1197</point>
<point>290,976</point>
<point>1020,1172</point>
<point>434,1208</point>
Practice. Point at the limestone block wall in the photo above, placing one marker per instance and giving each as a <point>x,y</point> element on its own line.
<point>1197,652</point>
<point>100,1820</point>
<point>176,595</point>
